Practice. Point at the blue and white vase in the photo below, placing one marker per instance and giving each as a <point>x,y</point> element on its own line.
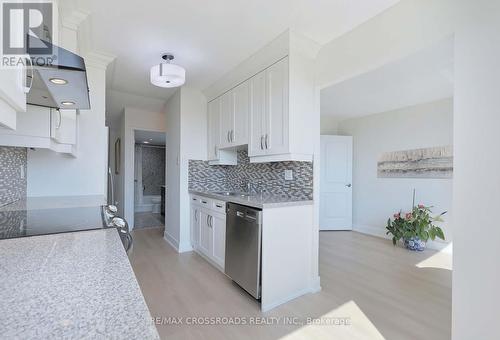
<point>414,244</point>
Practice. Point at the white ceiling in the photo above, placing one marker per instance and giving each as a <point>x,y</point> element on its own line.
<point>208,38</point>
<point>151,137</point>
<point>420,78</point>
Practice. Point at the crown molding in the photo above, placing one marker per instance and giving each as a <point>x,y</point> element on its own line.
<point>73,19</point>
<point>98,59</point>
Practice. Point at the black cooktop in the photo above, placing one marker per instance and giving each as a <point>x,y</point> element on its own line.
<point>21,223</point>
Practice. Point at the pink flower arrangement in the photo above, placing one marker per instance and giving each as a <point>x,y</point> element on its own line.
<point>397,216</point>
<point>409,216</point>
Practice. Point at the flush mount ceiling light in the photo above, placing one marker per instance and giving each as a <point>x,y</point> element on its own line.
<point>166,74</point>
<point>58,81</point>
<point>68,103</point>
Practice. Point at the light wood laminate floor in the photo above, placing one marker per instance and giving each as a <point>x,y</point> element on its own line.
<point>380,291</point>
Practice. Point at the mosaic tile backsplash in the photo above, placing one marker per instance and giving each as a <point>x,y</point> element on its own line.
<point>12,186</point>
<point>153,169</point>
<point>269,176</point>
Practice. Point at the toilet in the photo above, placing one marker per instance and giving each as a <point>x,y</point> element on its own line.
<point>156,203</point>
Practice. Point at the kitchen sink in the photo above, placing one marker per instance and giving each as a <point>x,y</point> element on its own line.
<point>233,193</point>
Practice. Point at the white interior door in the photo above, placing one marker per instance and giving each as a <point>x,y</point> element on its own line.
<point>336,183</point>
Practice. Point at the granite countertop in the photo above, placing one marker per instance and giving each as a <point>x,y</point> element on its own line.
<point>50,202</point>
<point>72,286</point>
<point>256,201</point>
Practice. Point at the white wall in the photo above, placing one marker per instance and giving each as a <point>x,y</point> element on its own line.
<point>172,178</point>
<point>53,174</point>
<point>186,121</point>
<point>476,251</point>
<point>131,120</point>
<point>377,199</point>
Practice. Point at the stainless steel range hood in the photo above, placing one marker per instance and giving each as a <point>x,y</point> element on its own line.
<point>60,83</point>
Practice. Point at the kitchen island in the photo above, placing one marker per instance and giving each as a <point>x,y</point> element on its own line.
<point>71,285</point>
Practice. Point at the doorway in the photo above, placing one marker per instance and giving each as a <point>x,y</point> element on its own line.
<point>149,179</point>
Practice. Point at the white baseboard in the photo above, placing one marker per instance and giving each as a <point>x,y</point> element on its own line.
<point>171,241</point>
<point>381,232</point>
<point>269,306</point>
<point>316,285</point>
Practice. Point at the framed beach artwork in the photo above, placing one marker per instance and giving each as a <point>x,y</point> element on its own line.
<point>435,162</point>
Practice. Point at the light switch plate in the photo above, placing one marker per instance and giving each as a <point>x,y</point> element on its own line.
<point>288,175</point>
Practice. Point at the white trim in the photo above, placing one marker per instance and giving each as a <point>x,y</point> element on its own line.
<point>74,19</point>
<point>268,307</point>
<point>98,59</point>
<point>316,284</point>
<point>381,233</point>
<point>171,241</point>
<point>282,158</point>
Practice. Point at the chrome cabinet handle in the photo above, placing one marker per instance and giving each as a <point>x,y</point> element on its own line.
<point>215,150</point>
<point>261,141</point>
<point>348,185</point>
<point>208,224</point>
<point>196,215</point>
<point>27,88</point>
<point>60,119</point>
<point>267,146</point>
<point>228,138</point>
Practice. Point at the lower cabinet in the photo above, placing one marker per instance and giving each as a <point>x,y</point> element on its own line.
<point>208,229</point>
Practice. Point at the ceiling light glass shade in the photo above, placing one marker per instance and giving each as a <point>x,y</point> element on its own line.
<point>168,75</point>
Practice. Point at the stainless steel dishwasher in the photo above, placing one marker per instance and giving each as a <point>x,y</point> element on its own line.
<point>243,247</point>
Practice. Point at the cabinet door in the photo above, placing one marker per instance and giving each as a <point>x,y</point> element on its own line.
<point>227,119</point>
<point>218,223</point>
<point>214,108</point>
<point>63,126</point>
<point>206,235</point>
<point>257,115</point>
<point>276,137</point>
<point>239,135</point>
<point>195,226</point>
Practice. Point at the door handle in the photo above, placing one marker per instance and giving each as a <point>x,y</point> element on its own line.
<point>348,185</point>
<point>208,224</point>
<point>227,136</point>
<point>267,146</point>
<point>261,141</point>
<point>196,215</point>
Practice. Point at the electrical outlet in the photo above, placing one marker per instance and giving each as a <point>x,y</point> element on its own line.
<point>288,175</point>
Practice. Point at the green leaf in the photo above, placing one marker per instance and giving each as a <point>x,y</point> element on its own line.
<point>439,233</point>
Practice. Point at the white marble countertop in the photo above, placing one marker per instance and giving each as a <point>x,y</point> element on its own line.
<point>256,201</point>
<point>72,286</point>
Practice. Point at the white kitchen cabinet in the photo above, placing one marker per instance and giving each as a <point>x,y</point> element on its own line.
<point>258,115</point>
<point>208,229</point>
<point>195,225</point>
<point>213,129</point>
<point>276,117</point>
<point>218,225</point>
<point>206,234</point>
<point>216,156</point>
<point>269,111</point>
<point>241,106</point>
<point>12,96</point>
<point>33,130</point>
<point>63,126</point>
<point>235,107</point>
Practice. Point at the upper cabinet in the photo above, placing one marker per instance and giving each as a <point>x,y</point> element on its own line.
<point>216,156</point>
<point>63,126</point>
<point>262,113</point>
<point>45,128</point>
<point>234,116</point>
<point>12,96</point>
<point>269,127</point>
